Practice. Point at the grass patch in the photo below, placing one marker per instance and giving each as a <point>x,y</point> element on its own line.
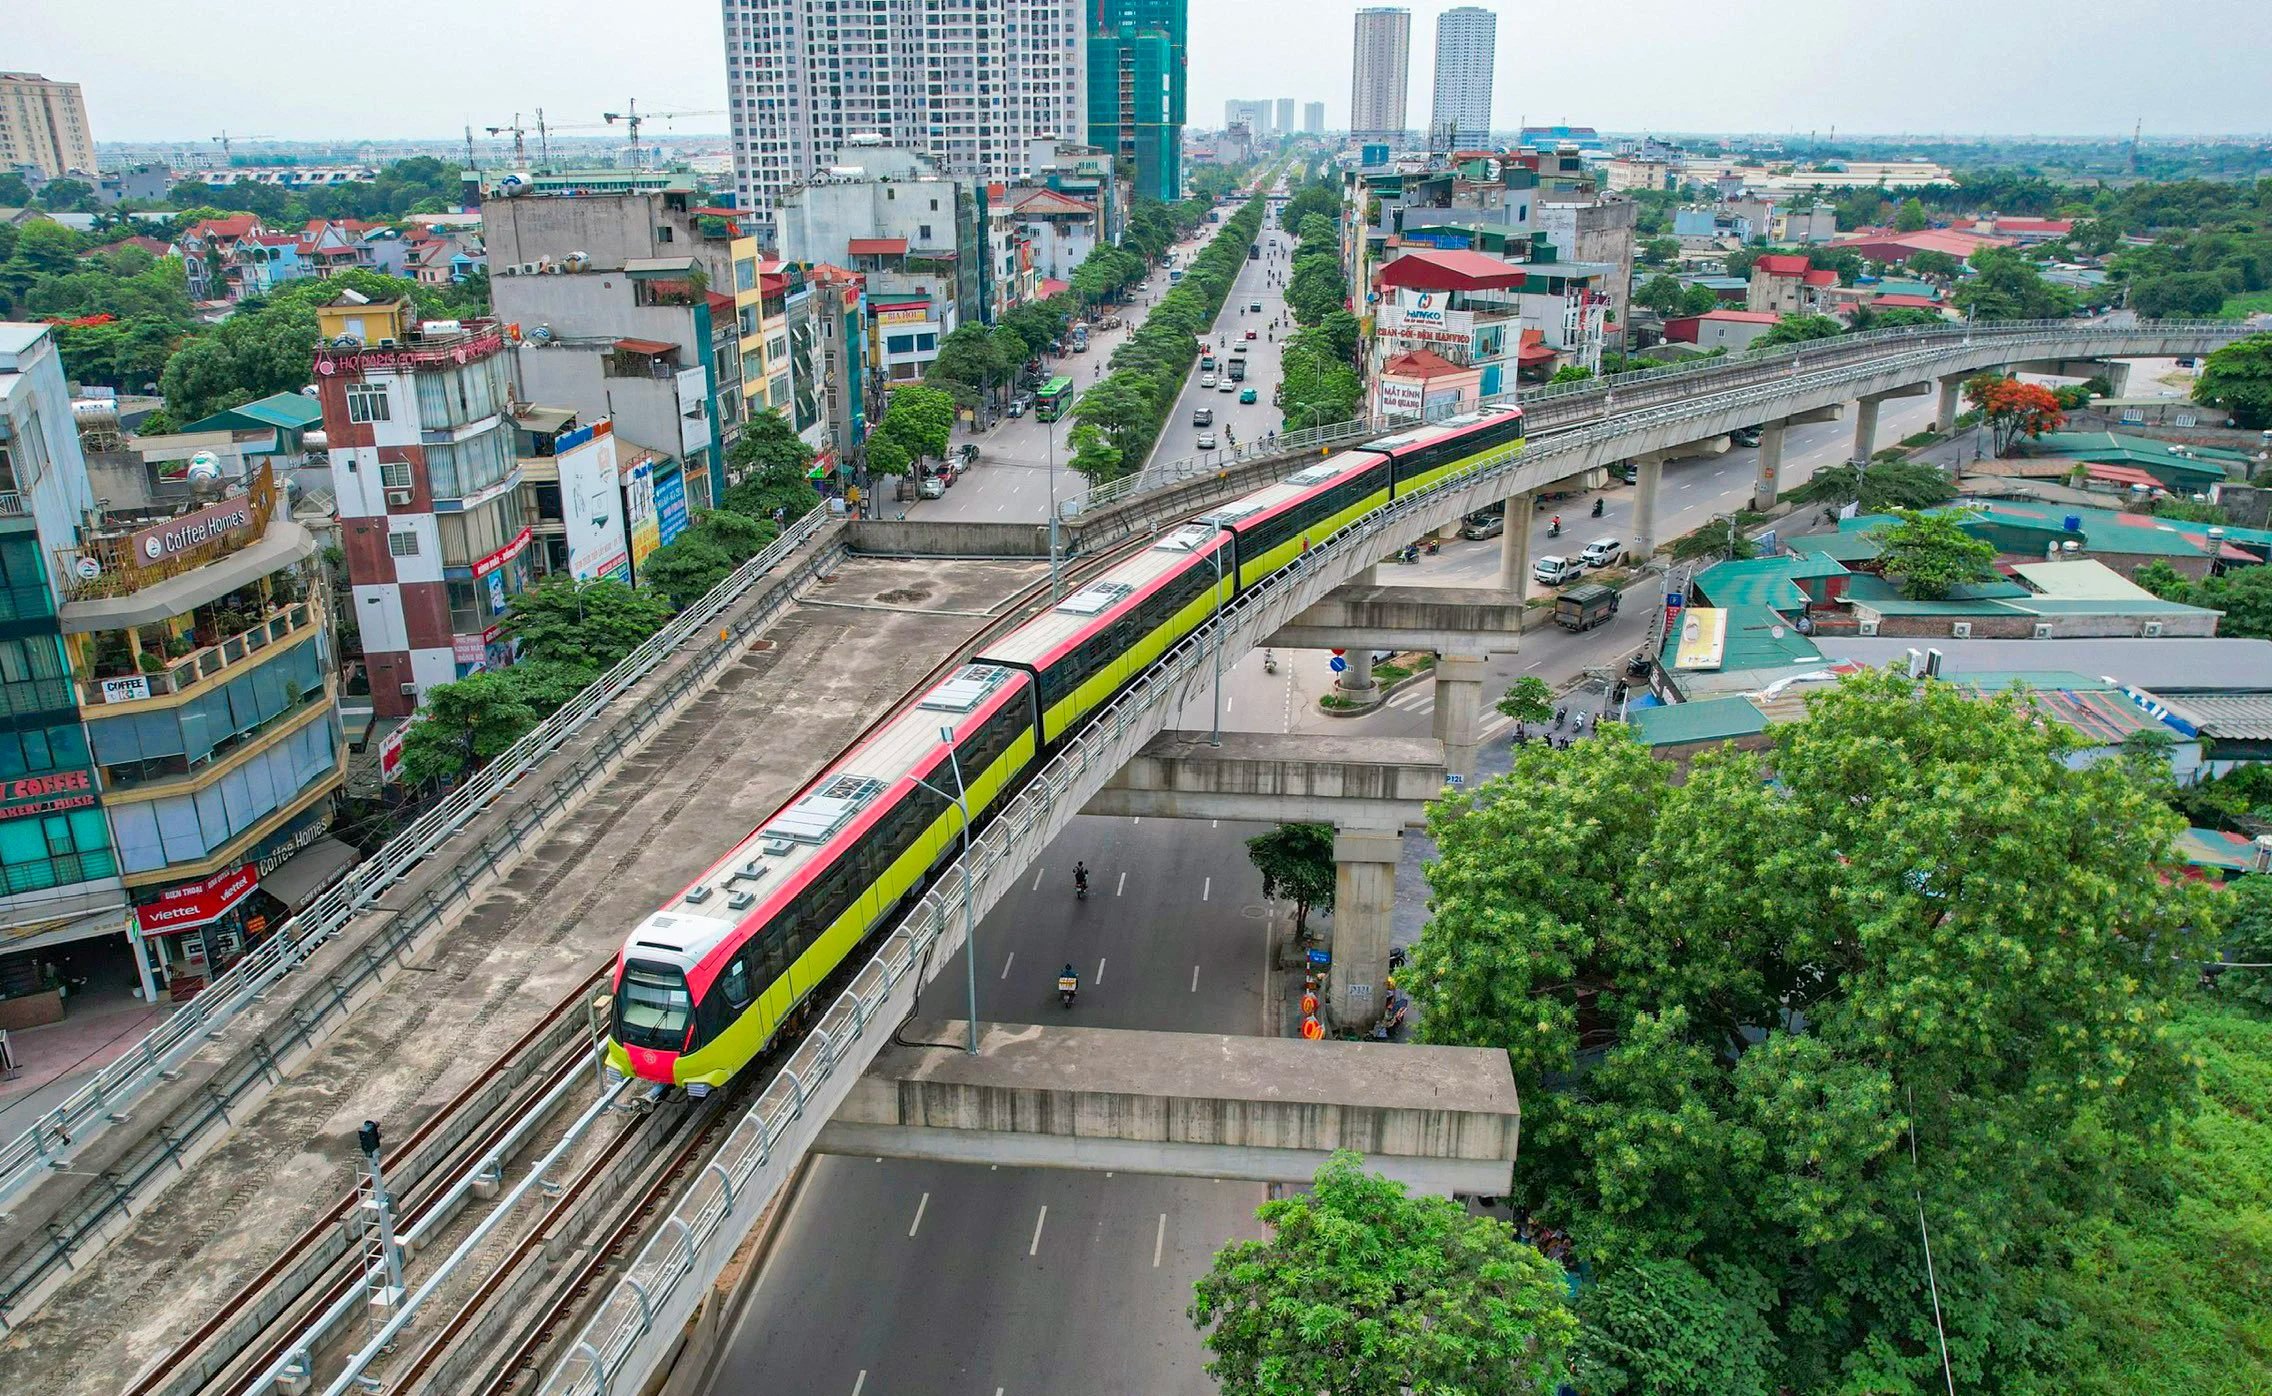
<point>1388,671</point>
<point>1923,438</point>
<point>1336,701</point>
<point>2246,304</point>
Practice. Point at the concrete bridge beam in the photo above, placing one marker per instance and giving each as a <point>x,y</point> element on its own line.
<point>1364,617</point>
<point>1278,777</point>
<point>2115,371</point>
<point>1459,710</point>
<point>1364,909</point>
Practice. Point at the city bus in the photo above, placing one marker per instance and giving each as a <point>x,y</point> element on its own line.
<point>1054,399</point>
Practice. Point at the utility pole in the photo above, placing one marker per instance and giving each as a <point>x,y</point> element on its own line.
<point>470,162</point>
<point>382,1252</point>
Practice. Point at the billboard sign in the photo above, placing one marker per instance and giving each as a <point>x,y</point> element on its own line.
<point>231,518</point>
<point>48,794</point>
<point>197,903</point>
<point>1399,397</point>
<point>1422,307</point>
<point>639,512</point>
<point>591,503</point>
<point>670,505</point>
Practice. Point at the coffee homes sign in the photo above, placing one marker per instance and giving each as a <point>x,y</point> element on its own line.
<point>232,519</point>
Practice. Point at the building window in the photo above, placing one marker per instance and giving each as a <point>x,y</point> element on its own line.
<point>395,474</point>
<point>367,402</point>
<point>402,543</point>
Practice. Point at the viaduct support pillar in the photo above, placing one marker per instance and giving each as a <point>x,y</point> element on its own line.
<point>1357,680</point>
<point>1865,429</point>
<point>1459,708</point>
<point>1945,406</point>
<point>1649,472</point>
<point>1514,546</point>
<point>1770,481</point>
<point>1364,906</point>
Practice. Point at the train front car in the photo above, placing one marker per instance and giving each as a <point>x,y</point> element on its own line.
<point>708,982</point>
<point>1450,447</point>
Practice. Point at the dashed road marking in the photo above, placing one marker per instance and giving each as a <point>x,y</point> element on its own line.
<point>1035,1248</point>
<point>1206,889</point>
<point>1159,1242</point>
<point>1009,962</point>
<point>919,1206</point>
<point>1120,886</point>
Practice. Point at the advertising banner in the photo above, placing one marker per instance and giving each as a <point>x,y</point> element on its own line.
<point>670,505</point>
<point>1400,398</point>
<point>197,903</point>
<point>591,503</point>
<point>234,516</point>
<point>48,794</point>
<point>639,512</point>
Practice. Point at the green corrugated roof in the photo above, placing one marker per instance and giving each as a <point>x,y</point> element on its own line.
<point>1752,641</point>
<point>2077,606</point>
<point>2113,448</point>
<point>2103,530</point>
<point>2042,680</point>
<point>1705,720</point>
<point>1844,546</point>
<point>1764,581</point>
<point>290,411</point>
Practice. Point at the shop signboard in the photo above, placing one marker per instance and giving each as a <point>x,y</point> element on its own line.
<point>126,690</point>
<point>231,518</point>
<point>670,505</point>
<point>52,793</point>
<point>591,498</point>
<point>197,903</point>
<point>1399,397</point>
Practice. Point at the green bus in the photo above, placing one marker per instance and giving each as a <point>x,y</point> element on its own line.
<point>1054,400</point>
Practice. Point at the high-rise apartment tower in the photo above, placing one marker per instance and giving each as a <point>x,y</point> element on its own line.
<point>1379,75</point>
<point>1466,41</point>
<point>967,83</point>
<point>44,124</point>
<point>1135,90</point>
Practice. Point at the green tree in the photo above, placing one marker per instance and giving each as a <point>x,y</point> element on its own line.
<point>1739,261</point>
<point>1659,252</point>
<point>1932,555</point>
<point>690,566</point>
<point>887,457</point>
<point>1719,538</point>
<point>1094,458</point>
<point>1296,861</point>
<point>2243,594</point>
<point>1798,329</point>
<point>1571,373</point>
<point>2238,379</point>
<point>1944,265</point>
<point>1901,317</point>
<point>1879,487</point>
<point>1361,1290</point>
<point>2007,286</point>
<point>1528,699</point>
<point>920,419</point>
<point>463,725</point>
<point>967,359</point>
<point>1790,968</point>
<point>594,623</point>
<point>771,469</point>
<point>1910,217</point>
<point>1698,300</point>
<point>1662,294</point>
<point>2178,296</point>
<point>1656,1327</point>
<point>14,192</point>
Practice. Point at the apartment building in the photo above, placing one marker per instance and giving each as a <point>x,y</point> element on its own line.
<point>1459,116</point>
<point>1136,70</point>
<point>43,128</point>
<point>1380,75</point>
<point>968,84</point>
<point>1313,118</point>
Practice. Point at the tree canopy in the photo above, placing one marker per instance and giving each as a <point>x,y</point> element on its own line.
<point>1878,487</point>
<point>1361,1290</point>
<point>1798,329</point>
<point>1931,555</point>
<point>1296,862</point>
<point>2007,286</point>
<point>2238,378</point>
<point>1760,1024</point>
<point>594,623</point>
<point>2013,409</point>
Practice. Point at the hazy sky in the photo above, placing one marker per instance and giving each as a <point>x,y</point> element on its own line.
<point>170,69</point>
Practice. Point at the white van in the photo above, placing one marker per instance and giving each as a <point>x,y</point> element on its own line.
<point>1554,571</point>
<point>1602,552</point>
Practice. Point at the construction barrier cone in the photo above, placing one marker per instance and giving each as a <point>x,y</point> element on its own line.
<point>1309,1004</point>
<point>1312,1029</point>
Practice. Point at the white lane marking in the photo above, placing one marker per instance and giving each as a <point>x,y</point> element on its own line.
<point>1121,886</point>
<point>1214,823</point>
<point>919,1206</point>
<point>1159,1240</point>
<point>1009,962</point>
<point>1206,889</point>
<point>1035,1248</point>
<point>1533,664</point>
<point>1689,486</point>
<point>1195,979</point>
<point>1037,879</point>
<point>1100,969</point>
<point>862,1381</point>
<point>1137,820</point>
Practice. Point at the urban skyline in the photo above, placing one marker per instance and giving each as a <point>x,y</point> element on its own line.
<point>2014,75</point>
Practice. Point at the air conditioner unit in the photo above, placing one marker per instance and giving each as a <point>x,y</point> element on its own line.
<point>1869,627</point>
<point>399,494</point>
<point>2043,630</point>
<point>2153,629</point>
<point>528,268</point>
<point>408,690</point>
<point>1960,630</point>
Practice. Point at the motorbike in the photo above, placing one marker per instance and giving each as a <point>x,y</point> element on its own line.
<point>1269,662</point>
<point>1554,530</point>
<point>1435,545</point>
<point>1598,507</point>
<point>1081,888</point>
<point>1066,987</point>
<point>1410,554</point>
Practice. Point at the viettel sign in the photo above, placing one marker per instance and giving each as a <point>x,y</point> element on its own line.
<point>197,903</point>
<point>211,524</point>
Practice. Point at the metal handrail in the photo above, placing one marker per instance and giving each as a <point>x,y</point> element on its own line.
<point>56,1135</point>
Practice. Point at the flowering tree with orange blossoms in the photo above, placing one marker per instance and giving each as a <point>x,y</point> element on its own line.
<point>2013,409</point>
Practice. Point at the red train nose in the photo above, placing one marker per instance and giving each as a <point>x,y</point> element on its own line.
<point>649,1064</point>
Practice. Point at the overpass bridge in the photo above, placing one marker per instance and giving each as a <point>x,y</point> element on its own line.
<point>637,1326</point>
<point>1575,427</point>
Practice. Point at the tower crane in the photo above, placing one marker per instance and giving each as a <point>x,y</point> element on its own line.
<point>633,118</point>
<point>520,132</point>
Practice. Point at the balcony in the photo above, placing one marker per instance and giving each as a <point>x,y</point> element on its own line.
<point>116,682</point>
<point>13,505</point>
<point>475,339</point>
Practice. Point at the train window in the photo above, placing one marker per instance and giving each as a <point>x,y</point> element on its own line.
<point>735,983</point>
<point>653,1007</point>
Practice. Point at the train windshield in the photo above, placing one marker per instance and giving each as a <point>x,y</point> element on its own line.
<point>653,1008</point>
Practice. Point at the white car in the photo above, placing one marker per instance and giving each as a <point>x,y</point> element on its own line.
<point>1207,441</point>
<point>931,487</point>
<point>1206,380</point>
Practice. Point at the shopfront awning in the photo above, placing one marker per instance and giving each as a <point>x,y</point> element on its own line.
<point>305,875</point>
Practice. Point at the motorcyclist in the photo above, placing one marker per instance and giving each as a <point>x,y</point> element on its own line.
<point>1081,878</point>
<point>1068,983</point>
<point>1598,507</point>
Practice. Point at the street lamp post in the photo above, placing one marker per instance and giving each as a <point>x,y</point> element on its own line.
<point>969,908</point>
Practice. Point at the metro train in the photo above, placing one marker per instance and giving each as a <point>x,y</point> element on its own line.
<point>708,982</point>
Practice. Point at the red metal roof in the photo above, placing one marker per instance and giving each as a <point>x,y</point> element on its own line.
<point>1901,302</point>
<point>2122,475</point>
<point>1781,264</point>
<point>1821,277</point>
<point>1450,269</point>
<point>1422,363</point>
<point>645,346</point>
<point>876,247</point>
<point>1533,354</point>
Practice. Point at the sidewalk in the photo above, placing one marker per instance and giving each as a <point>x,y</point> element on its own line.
<point>54,1060</point>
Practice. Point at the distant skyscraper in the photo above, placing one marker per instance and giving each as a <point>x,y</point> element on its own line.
<point>1254,115</point>
<point>1285,122</point>
<point>1466,42</point>
<point>802,80</point>
<point>44,124</point>
<point>1313,118</point>
<point>1380,74</point>
<point>1136,90</point>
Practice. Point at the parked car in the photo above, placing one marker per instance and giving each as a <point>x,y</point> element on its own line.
<point>1746,436</point>
<point>1484,523</point>
<point>1554,571</point>
<point>931,487</point>
<point>1207,440</point>
<point>1203,416</point>
<point>1601,552</point>
<point>1019,404</point>
<point>1246,395</point>
<point>1629,473</point>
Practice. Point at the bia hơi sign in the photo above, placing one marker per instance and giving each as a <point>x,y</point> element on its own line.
<point>197,903</point>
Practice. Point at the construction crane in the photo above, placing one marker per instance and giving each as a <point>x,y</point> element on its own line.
<point>520,148</point>
<point>633,118</point>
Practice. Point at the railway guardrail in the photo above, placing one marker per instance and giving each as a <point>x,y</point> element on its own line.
<point>50,1143</point>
